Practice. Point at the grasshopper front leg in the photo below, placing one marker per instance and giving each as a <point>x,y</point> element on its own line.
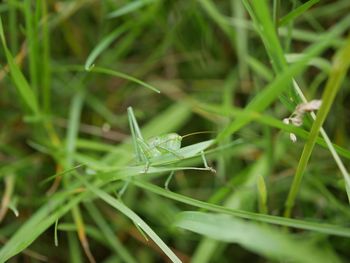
<point>146,167</point>
<point>146,153</point>
<point>141,148</point>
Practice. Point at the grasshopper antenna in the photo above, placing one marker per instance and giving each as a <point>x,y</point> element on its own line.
<point>195,133</point>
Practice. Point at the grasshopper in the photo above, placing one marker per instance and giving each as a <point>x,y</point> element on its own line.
<point>167,147</point>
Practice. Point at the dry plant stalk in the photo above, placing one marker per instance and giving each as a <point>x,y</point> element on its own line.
<point>296,118</point>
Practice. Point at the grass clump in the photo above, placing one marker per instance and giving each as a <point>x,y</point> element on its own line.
<point>78,185</point>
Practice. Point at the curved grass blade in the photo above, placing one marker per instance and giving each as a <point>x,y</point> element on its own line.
<point>124,76</point>
<point>133,216</point>
<point>282,221</point>
<point>113,73</point>
<point>104,43</point>
<point>128,8</point>
<point>259,238</point>
<point>297,12</point>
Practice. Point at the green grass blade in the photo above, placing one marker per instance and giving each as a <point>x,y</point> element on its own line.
<point>340,67</point>
<point>297,12</point>
<point>262,191</point>
<point>272,122</point>
<point>109,234</point>
<point>259,12</point>
<point>134,217</point>
<point>281,82</point>
<point>12,21</point>
<point>241,39</point>
<point>130,7</point>
<point>282,221</point>
<point>259,238</point>
<point>24,90</point>
<point>36,225</point>
<point>103,45</point>
<point>259,15</point>
<point>260,68</point>
<point>74,122</point>
<point>45,66</point>
<point>218,18</point>
<point>114,73</point>
<point>124,76</point>
<point>75,255</point>
<point>32,36</point>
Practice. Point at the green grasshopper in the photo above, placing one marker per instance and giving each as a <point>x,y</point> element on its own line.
<point>165,148</point>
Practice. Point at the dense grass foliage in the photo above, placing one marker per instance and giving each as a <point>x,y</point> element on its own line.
<point>76,185</point>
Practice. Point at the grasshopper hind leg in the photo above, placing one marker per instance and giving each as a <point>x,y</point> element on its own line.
<point>209,168</point>
<point>123,189</point>
<point>166,184</point>
<point>206,166</point>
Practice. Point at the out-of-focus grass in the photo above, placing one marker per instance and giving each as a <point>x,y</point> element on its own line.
<point>235,68</point>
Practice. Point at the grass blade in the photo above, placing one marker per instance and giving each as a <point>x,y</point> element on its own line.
<point>282,221</point>
<point>18,78</point>
<point>259,15</point>
<point>340,67</point>
<point>134,217</point>
<point>115,74</point>
<point>100,47</point>
<point>37,224</point>
<point>258,238</point>
<point>272,122</point>
<point>297,12</point>
<point>130,7</point>
<point>109,234</point>
<point>32,36</point>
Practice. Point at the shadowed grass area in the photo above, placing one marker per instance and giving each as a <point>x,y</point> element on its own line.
<point>81,182</point>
